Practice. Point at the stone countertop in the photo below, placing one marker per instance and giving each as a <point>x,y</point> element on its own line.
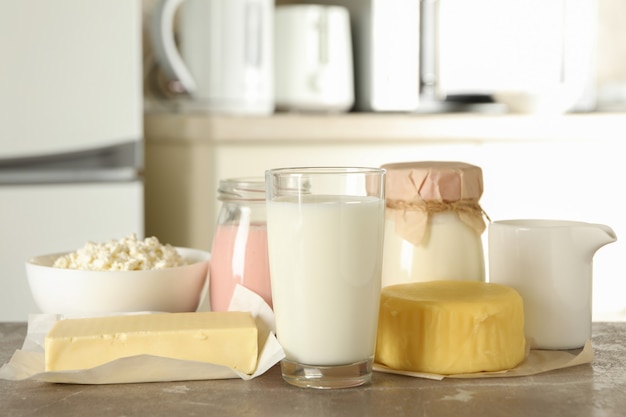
<point>597,389</point>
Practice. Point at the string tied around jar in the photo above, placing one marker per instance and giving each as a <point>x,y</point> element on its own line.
<point>417,190</point>
<point>411,217</point>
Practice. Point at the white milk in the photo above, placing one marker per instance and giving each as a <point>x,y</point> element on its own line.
<point>451,250</point>
<point>325,264</point>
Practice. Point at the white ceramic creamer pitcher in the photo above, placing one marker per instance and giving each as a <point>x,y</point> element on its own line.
<point>226,60</point>
<point>549,262</point>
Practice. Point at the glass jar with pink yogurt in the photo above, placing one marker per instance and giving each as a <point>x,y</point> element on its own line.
<point>239,252</point>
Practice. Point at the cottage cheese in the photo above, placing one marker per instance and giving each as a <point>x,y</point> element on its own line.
<point>126,254</point>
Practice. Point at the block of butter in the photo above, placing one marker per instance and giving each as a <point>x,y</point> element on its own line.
<point>223,338</point>
<point>450,327</point>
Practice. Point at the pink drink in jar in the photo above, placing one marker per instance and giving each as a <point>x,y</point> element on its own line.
<point>239,257</point>
<point>239,252</point>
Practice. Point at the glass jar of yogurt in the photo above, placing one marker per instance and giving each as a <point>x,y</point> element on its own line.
<point>433,222</point>
<point>239,251</point>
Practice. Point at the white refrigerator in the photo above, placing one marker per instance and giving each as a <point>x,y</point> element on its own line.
<point>71,132</point>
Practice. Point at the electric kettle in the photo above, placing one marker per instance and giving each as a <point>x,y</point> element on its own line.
<point>225,64</point>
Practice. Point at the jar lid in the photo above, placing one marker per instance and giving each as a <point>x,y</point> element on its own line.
<point>249,189</point>
<point>433,181</point>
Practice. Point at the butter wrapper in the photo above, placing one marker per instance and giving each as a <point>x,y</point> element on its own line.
<point>29,361</point>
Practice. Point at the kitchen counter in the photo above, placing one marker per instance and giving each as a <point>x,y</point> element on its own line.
<point>596,389</point>
<point>290,128</point>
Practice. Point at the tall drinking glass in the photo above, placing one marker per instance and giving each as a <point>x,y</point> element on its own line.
<point>325,239</point>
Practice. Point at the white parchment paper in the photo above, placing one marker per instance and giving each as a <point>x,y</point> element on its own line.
<point>536,362</point>
<point>28,362</point>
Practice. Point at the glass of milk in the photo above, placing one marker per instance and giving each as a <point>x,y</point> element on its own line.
<point>325,241</point>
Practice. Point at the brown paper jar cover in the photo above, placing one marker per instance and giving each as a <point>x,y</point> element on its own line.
<point>414,190</point>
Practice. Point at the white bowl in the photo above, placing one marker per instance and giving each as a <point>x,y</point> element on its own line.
<point>77,292</point>
<point>547,101</point>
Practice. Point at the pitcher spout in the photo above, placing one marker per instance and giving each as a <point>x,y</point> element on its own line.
<point>594,236</point>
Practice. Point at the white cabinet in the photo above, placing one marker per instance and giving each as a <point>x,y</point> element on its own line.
<point>567,167</point>
<point>38,219</point>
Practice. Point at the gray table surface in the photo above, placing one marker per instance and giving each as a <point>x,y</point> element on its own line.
<point>597,389</point>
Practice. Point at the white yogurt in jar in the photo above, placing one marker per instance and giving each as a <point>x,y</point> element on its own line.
<point>451,250</point>
<point>433,222</point>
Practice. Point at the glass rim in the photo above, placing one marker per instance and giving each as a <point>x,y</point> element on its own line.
<point>307,170</point>
<point>243,188</point>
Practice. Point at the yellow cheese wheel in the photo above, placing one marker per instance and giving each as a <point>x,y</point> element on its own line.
<point>450,327</point>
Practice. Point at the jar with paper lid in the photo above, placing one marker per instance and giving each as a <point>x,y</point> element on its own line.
<point>239,252</point>
<point>433,222</point>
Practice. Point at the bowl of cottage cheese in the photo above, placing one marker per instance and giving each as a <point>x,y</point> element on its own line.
<point>124,275</point>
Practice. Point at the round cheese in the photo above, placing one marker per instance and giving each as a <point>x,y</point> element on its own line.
<point>450,327</point>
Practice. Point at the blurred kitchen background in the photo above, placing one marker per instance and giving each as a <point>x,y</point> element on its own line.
<point>121,116</point>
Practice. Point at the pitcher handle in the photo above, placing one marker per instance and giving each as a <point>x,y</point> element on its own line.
<point>164,47</point>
